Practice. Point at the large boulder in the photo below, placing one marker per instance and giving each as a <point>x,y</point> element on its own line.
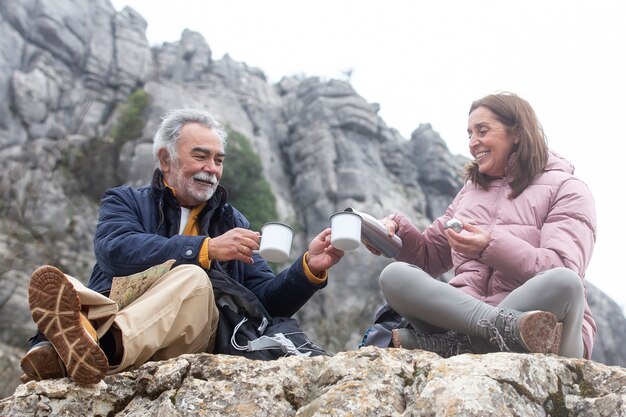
<point>367,382</point>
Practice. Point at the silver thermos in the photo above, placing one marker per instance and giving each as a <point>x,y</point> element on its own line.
<point>375,234</point>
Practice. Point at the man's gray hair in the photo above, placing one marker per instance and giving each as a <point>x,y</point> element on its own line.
<point>174,120</point>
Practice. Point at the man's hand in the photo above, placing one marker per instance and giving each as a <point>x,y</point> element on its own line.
<point>322,255</point>
<point>236,244</point>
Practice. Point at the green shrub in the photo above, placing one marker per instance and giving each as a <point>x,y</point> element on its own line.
<point>130,122</point>
<point>248,189</point>
<point>96,164</point>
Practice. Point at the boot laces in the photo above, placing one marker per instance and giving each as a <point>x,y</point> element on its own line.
<point>502,329</point>
<point>446,344</point>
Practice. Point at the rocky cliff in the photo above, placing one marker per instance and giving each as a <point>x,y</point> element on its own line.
<point>368,382</point>
<point>68,67</point>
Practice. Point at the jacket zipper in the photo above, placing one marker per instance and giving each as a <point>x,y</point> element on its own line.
<point>499,203</point>
<point>161,215</point>
<point>495,216</point>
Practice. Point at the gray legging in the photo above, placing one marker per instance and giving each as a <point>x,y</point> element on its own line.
<point>431,305</point>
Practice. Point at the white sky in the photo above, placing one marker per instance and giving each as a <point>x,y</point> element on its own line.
<point>426,61</point>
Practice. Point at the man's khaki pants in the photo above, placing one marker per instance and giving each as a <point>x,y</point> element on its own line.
<point>176,315</point>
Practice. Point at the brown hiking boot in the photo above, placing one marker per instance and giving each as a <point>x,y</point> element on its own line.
<point>446,344</point>
<point>527,332</point>
<point>42,362</point>
<point>55,307</point>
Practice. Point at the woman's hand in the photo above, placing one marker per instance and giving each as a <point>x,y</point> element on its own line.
<point>470,244</point>
<point>392,228</point>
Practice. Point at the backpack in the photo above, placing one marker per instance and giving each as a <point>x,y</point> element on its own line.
<point>385,320</point>
<point>246,329</point>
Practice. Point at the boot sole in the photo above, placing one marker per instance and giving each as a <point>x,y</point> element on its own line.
<point>556,345</point>
<point>540,332</point>
<point>42,362</point>
<point>55,307</point>
<point>396,338</point>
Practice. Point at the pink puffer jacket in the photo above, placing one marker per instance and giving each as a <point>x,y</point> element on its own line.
<point>551,224</point>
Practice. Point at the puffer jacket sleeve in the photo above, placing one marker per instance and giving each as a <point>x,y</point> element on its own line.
<point>126,242</point>
<point>567,237</point>
<point>428,250</point>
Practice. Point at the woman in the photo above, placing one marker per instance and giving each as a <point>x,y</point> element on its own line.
<point>528,232</point>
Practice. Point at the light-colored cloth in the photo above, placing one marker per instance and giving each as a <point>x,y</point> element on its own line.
<point>175,316</point>
<point>551,224</point>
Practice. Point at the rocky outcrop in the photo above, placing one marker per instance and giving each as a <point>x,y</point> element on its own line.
<point>67,65</point>
<point>368,382</point>
<point>9,369</point>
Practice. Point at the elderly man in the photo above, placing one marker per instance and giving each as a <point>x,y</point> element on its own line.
<point>184,215</point>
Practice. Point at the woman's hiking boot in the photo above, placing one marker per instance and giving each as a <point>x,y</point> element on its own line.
<point>446,344</point>
<point>524,332</point>
<point>56,309</point>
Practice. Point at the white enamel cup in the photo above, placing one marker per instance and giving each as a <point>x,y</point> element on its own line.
<point>276,241</point>
<point>345,230</point>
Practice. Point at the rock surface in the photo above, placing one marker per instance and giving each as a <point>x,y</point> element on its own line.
<point>367,382</point>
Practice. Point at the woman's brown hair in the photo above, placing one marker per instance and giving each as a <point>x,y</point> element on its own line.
<point>531,151</point>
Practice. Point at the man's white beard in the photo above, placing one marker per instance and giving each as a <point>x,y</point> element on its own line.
<point>199,193</point>
<point>204,194</point>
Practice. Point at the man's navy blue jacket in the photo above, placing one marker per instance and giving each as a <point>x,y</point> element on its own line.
<point>138,228</point>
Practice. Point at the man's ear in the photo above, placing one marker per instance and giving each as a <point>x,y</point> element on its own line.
<point>165,161</point>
